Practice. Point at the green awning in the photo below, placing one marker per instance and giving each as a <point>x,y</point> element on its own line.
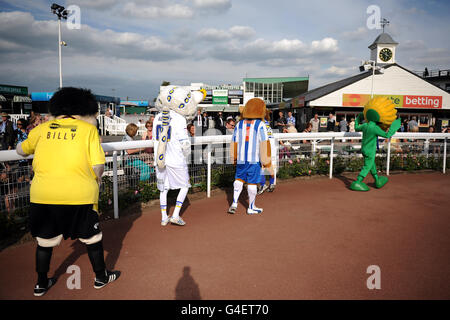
<point>231,109</point>
<point>131,110</point>
<point>276,80</point>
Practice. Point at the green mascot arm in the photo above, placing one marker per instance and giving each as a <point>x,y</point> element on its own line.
<point>358,120</point>
<point>394,127</point>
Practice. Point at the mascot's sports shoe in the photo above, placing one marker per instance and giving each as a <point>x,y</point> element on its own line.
<point>40,291</point>
<point>177,221</point>
<point>380,182</point>
<point>254,210</point>
<point>271,188</point>
<point>110,276</point>
<point>262,188</point>
<point>232,210</point>
<point>165,222</point>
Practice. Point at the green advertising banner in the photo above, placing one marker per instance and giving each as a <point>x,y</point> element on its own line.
<point>220,100</point>
<point>13,90</point>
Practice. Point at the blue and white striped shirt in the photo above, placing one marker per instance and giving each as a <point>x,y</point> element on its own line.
<point>248,134</point>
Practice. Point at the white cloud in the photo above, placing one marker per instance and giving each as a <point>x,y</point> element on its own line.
<point>287,46</point>
<point>359,34</point>
<point>213,4</point>
<point>235,32</point>
<point>435,57</point>
<point>324,45</point>
<point>412,45</point>
<point>97,4</point>
<point>262,51</point>
<point>165,9</point>
<point>212,34</point>
<point>333,70</point>
<point>20,29</point>
<point>242,32</point>
<point>177,11</point>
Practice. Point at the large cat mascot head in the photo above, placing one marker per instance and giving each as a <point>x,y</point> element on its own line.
<point>182,101</point>
<point>179,99</point>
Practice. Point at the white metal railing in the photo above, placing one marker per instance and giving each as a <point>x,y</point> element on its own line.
<point>323,144</point>
<point>116,126</point>
<point>15,117</point>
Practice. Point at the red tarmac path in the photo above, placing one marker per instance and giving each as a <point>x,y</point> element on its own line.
<point>314,240</point>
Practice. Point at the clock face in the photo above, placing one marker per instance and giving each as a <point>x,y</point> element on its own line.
<point>385,54</point>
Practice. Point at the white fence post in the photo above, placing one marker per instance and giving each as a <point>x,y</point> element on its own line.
<point>331,158</point>
<point>208,186</point>
<point>445,155</point>
<point>115,187</point>
<point>388,157</point>
<point>277,160</point>
<point>313,151</point>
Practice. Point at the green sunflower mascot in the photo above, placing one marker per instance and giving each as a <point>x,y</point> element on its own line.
<point>381,120</point>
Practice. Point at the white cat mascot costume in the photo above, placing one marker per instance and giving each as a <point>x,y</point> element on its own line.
<point>172,145</point>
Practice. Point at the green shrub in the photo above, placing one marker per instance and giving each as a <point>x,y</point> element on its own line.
<point>339,165</point>
<point>355,164</point>
<point>147,191</point>
<point>6,225</point>
<point>105,199</point>
<point>223,177</point>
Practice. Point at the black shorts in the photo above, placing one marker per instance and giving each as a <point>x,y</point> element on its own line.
<point>72,221</point>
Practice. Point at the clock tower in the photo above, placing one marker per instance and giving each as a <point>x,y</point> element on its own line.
<point>382,50</point>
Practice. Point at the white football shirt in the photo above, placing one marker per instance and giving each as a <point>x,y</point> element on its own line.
<point>248,134</point>
<point>177,133</point>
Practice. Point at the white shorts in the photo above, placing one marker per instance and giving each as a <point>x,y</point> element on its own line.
<point>172,178</point>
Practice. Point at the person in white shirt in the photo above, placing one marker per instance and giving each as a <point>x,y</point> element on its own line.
<point>315,123</point>
<point>290,119</point>
<point>198,122</point>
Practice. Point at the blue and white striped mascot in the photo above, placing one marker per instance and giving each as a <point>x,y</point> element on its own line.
<point>172,145</point>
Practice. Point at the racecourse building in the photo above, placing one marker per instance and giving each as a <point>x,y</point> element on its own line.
<point>415,95</point>
<point>228,98</point>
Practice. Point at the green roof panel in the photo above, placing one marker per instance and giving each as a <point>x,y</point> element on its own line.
<point>276,80</point>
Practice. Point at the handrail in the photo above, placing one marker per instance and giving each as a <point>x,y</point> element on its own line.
<point>11,155</point>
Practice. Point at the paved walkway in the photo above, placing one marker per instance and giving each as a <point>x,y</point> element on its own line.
<point>315,240</point>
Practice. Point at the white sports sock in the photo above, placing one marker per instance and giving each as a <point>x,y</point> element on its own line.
<point>180,199</point>
<point>238,185</point>
<point>252,190</point>
<point>163,203</point>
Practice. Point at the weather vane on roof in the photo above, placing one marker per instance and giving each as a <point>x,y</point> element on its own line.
<point>384,23</point>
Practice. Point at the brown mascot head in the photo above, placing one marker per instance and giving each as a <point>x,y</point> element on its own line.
<point>254,109</point>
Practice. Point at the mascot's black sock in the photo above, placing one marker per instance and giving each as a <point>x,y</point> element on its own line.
<point>95,253</point>
<point>43,257</point>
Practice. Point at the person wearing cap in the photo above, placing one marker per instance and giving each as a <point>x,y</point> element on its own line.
<point>7,132</point>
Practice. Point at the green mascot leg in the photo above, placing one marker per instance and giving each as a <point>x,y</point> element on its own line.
<point>379,181</point>
<point>369,166</point>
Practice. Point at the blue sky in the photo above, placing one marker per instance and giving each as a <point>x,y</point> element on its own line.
<point>127,48</point>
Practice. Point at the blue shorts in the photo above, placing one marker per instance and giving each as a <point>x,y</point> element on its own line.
<point>248,172</point>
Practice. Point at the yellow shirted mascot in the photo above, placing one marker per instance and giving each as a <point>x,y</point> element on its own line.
<point>68,165</point>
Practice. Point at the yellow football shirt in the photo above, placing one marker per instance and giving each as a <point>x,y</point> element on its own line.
<point>64,152</point>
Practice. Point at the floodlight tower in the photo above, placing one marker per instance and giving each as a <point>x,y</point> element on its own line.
<point>61,13</point>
